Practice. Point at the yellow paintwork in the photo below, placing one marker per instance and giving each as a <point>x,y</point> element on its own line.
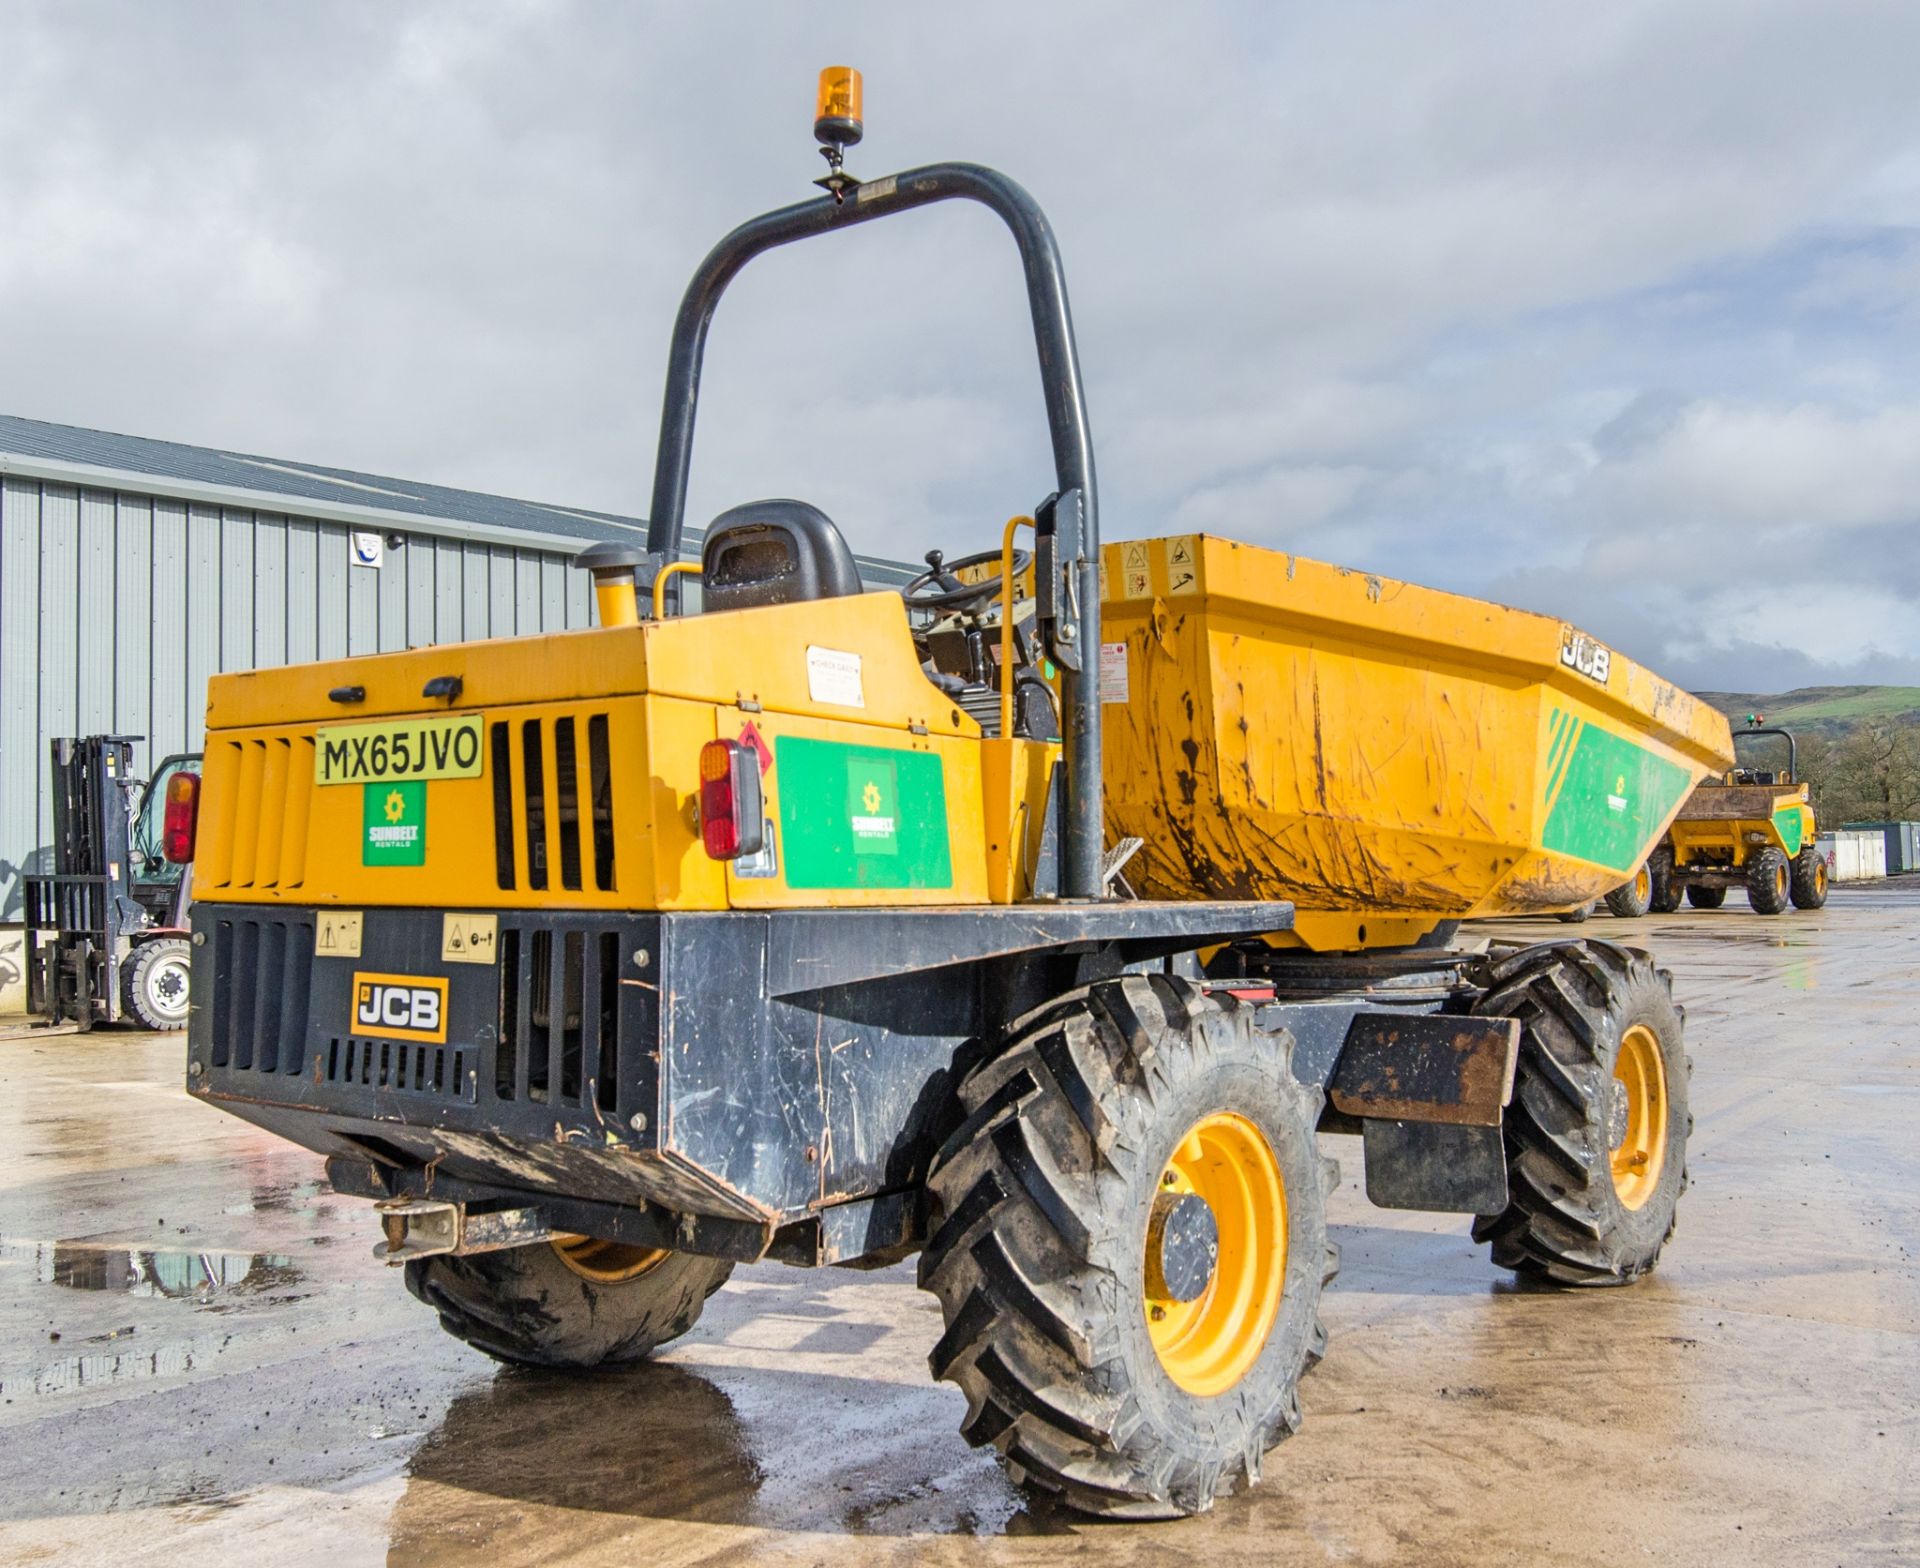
<point>1732,840</point>
<point>1014,775</point>
<point>268,834</point>
<point>1373,750</point>
<point>615,598</point>
<point>1207,1344</point>
<point>1642,1071</point>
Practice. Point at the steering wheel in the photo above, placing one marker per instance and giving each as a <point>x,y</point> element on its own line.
<point>938,588</point>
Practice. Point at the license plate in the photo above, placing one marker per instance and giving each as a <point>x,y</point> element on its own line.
<point>447,748</point>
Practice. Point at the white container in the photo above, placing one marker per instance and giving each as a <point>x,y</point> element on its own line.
<point>1854,854</point>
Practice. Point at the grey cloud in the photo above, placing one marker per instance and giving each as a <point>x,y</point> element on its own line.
<point>1354,278</point>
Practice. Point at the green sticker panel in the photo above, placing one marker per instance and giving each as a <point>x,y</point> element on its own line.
<point>1787,823</point>
<point>395,831</point>
<point>861,816</point>
<point>1611,795</point>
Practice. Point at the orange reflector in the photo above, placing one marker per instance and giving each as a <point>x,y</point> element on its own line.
<point>181,824</point>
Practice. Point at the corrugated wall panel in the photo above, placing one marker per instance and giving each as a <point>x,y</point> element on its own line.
<point>473,592</point>
<point>169,723</point>
<point>330,590</point>
<point>447,598</point>
<point>303,591</point>
<point>20,750</point>
<point>393,602</point>
<point>203,615</point>
<point>95,624</point>
<point>363,606</point>
<point>59,623</point>
<point>236,590</point>
<point>136,628</point>
<point>419,560</point>
<point>269,590</point>
<point>526,594</point>
<point>500,592</point>
<point>553,594</point>
<point>579,597</point>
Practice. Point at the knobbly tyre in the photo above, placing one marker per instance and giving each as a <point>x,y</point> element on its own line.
<point>1031,926</point>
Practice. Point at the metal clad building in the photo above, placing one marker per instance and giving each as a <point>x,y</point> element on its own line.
<point>132,569</point>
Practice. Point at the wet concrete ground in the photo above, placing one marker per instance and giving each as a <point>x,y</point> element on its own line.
<point>199,1356</point>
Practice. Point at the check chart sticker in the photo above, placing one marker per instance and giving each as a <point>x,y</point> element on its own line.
<point>395,825</point>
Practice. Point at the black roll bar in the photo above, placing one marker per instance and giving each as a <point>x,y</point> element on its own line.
<point>1083,838</point>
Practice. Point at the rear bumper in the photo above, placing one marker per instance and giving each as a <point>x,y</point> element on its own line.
<point>753,1069</point>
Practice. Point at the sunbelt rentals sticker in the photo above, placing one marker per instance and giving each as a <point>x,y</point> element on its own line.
<point>872,803</point>
<point>395,818</point>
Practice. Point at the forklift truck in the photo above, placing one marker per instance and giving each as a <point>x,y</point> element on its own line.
<point>106,929</point>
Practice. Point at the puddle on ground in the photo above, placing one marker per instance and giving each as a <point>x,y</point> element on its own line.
<point>174,1274</point>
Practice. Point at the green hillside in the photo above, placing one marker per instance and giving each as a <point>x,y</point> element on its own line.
<point>1830,710</point>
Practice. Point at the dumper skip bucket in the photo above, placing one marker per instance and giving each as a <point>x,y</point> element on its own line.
<point>1386,756</point>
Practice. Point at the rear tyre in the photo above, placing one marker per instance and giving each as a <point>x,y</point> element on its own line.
<point>1633,898</point>
<point>154,983</point>
<point>1665,897</point>
<point>1596,1136</point>
<point>571,1302</point>
<point>1573,917</point>
<point>1809,888</point>
<point>1706,897</point>
<point>1129,1246</point>
<point>1769,882</point>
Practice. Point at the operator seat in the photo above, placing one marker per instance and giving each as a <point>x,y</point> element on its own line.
<point>774,552</point>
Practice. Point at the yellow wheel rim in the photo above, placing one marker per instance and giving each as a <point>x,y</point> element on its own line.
<point>1642,885</point>
<point>1208,1344</point>
<point>1638,1116</point>
<point>606,1262</point>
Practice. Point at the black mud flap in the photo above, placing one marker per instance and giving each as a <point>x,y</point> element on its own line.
<point>1431,1091</point>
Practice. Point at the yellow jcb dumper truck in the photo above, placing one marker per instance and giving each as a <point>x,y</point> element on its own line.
<point>1750,827</point>
<point>1038,934</point>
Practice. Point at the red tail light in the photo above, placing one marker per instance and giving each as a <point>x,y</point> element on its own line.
<point>182,821</point>
<point>730,820</point>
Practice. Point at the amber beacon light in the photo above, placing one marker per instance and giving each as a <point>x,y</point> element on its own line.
<point>836,112</point>
<point>837,125</point>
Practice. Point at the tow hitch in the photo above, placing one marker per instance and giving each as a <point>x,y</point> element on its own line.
<point>425,1228</point>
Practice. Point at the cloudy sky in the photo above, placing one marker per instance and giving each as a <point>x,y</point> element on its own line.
<point>1609,311</point>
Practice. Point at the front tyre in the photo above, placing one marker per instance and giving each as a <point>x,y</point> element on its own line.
<point>1129,1246</point>
<point>1809,888</point>
<point>571,1302</point>
<point>154,983</point>
<point>1596,1135</point>
<point>1769,882</point>
<point>1574,917</point>
<point>1703,897</point>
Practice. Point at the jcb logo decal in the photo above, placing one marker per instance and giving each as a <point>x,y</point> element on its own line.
<point>1580,652</point>
<point>400,1007</point>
